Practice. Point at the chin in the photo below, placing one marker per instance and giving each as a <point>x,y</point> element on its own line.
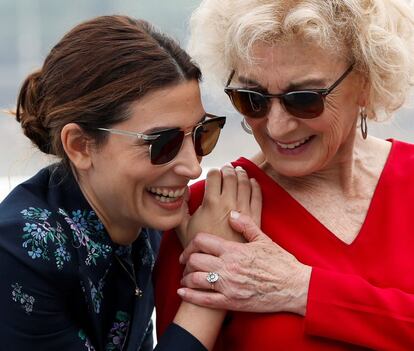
<point>164,223</point>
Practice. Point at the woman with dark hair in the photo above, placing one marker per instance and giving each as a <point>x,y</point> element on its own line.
<point>119,104</point>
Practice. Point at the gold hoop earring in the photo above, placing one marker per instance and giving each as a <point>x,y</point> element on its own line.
<point>246,127</point>
<point>364,125</point>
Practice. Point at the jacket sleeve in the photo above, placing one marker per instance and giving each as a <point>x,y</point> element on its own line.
<point>176,338</point>
<point>348,308</point>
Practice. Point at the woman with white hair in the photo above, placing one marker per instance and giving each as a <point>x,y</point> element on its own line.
<point>331,264</point>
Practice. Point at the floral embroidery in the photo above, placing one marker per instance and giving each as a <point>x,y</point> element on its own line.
<point>88,231</point>
<point>82,336</point>
<point>40,236</point>
<point>97,292</point>
<point>146,253</point>
<point>25,300</point>
<point>118,332</point>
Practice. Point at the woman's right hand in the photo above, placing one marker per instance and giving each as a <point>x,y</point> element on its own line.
<point>225,190</point>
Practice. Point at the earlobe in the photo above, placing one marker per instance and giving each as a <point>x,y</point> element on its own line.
<point>76,146</point>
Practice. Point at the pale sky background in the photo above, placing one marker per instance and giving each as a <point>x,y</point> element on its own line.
<point>29,29</point>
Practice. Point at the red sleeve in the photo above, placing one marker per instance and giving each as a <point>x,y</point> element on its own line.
<point>346,307</point>
<point>168,272</point>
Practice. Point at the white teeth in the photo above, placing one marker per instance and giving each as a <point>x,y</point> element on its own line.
<point>166,195</point>
<point>293,145</point>
<point>165,199</point>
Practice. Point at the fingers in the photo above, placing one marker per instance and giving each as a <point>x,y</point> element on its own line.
<point>182,227</point>
<point>256,202</point>
<point>203,242</point>
<point>245,225</point>
<point>198,280</point>
<point>243,191</point>
<point>204,298</point>
<point>229,185</point>
<point>212,184</point>
<point>202,262</point>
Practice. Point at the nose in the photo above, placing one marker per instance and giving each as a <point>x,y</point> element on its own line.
<point>279,121</point>
<point>187,162</point>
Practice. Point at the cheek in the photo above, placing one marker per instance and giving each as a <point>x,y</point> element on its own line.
<point>258,127</point>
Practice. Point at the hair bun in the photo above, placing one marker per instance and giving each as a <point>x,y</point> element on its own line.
<point>28,112</point>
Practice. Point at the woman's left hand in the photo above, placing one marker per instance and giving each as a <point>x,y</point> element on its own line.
<point>257,276</point>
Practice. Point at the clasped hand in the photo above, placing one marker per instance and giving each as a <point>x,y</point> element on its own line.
<point>256,274</point>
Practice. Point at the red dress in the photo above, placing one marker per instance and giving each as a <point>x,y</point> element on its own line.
<point>360,295</point>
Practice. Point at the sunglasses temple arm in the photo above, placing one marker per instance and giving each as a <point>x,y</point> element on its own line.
<point>230,78</point>
<point>341,78</point>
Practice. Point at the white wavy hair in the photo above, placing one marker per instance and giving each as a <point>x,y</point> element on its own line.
<point>378,35</point>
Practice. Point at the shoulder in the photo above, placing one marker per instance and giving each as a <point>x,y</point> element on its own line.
<point>34,234</point>
<point>44,222</point>
<point>401,157</point>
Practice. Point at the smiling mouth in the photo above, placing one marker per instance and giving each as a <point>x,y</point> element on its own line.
<point>166,195</point>
<point>296,144</point>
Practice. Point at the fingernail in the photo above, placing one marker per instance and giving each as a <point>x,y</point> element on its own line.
<point>181,259</point>
<point>234,214</point>
<point>181,292</point>
<point>238,168</point>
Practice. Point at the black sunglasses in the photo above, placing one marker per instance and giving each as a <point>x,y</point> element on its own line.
<point>164,145</point>
<point>304,104</point>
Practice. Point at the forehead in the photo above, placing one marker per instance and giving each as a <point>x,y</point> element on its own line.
<point>289,60</point>
<point>174,106</point>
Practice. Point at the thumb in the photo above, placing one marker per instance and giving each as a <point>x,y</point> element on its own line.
<point>244,224</point>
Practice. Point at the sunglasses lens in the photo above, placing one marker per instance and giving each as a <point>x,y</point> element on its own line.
<point>250,104</point>
<point>206,136</point>
<point>166,146</point>
<point>304,104</point>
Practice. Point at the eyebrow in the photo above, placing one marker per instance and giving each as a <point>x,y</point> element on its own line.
<point>315,82</point>
<point>161,129</point>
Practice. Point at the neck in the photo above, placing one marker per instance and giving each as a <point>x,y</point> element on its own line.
<point>120,230</point>
<point>345,173</point>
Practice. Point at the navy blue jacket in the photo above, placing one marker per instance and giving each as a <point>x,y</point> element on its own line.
<point>61,286</point>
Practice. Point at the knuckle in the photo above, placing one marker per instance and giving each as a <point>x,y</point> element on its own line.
<point>198,239</point>
<point>191,262</point>
<point>207,300</point>
<point>193,279</point>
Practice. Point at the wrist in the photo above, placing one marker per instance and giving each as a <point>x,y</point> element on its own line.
<point>202,322</point>
<point>299,299</point>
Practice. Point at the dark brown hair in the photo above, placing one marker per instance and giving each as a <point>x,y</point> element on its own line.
<point>93,75</point>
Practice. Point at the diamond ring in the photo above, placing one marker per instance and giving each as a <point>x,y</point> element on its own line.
<point>212,277</point>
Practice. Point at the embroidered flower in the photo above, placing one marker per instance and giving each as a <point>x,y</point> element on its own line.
<point>25,300</point>
<point>61,256</point>
<point>97,294</point>
<point>29,227</point>
<point>83,337</point>
<point>35,253</point>
<point>88,231</point>
<point>118,332</point>
<point>40,237</point>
